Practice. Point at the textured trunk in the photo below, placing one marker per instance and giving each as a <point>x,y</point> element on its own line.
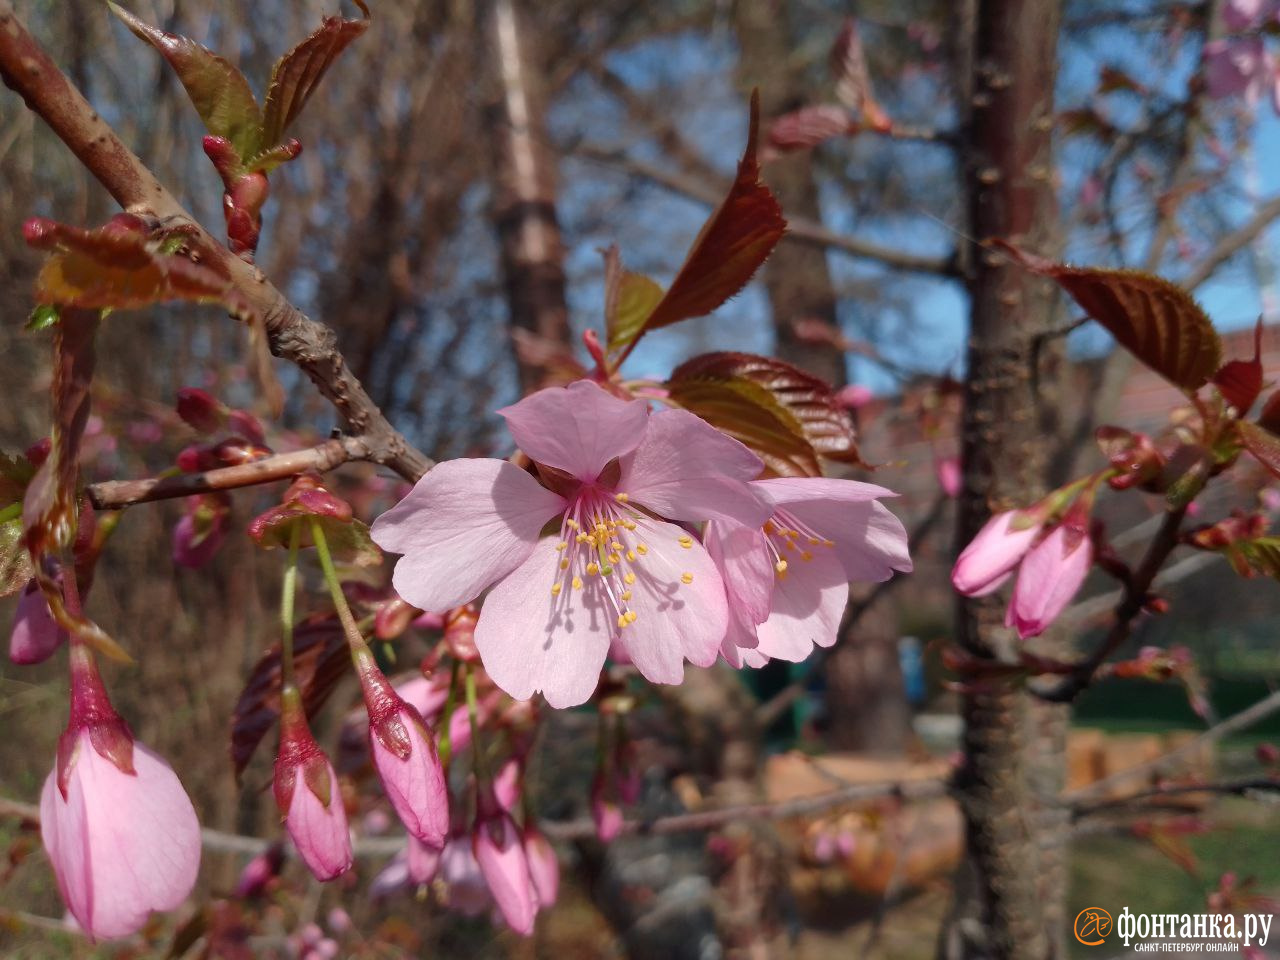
<point>1009,901</point>
<point>524,183</point>
<point>866,705</point>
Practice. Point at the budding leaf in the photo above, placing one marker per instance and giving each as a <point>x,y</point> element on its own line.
<point>122,266</point>
<point>731,246</point>
<point>752,415</point>
<point>1262,554</point>
<point>297,74</point>
<point>809,403</point>
<point>1155,320</point>
<point>853,82</point>
<point>808,127</point>
<point>629,300</point>
<point>320,660</point>
<point>1240,381</point>
<point>1262,443</point>
<point>219,91</point>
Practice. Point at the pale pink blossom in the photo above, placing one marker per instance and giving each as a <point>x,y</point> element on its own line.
<point>948,472</point>
<point>614,574</point>
<point>1239,15</point>
<point>854,396</point>
<point>500,853</point>
<point>993,553</point>
<point>35,636</point>
<point>544,866</point>
<point>788,581</point>
<point>307,792</point>
<point>1237,66</point>
<point>119,829</point>
<point>1048,579</point>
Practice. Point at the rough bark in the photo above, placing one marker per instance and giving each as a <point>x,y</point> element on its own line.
<point>1009,901</point>
<point>524,183</point>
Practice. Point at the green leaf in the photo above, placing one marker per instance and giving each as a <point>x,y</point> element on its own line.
<point>350,543</point>
<point>750,414</point>
<point>808,401</point>
<point>629,300</point>
<point>731,246</point>
<point>297,74</point>
<point>43,317</point>
<point>1157,321</point>
<point>219,92</point>
<point>121,266</point>
<point>1262,554</point>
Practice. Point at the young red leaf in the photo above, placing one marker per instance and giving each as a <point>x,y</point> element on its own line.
<point>1240,381</point>
<point>297,74</point>
<point>1270,415</point>
<point>807,127</point>
<point>853,82</point>
<point>219,92</point>
<point>320,660</point>
<point>824,423</point>
<point>121,266</point>
<point>1155,320</point>
<point>731,246</point>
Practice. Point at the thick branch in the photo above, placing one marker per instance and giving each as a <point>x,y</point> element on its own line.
<point>27,69</point>
<point>798,228</point>
<point>114,494</point>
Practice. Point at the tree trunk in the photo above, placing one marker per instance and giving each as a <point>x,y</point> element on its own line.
<point>866,704</point>
<point>524,184</point>
<point>1009,903</point>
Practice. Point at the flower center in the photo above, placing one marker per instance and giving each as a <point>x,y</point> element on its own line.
<point>601,549</point>
<point>790,539</point>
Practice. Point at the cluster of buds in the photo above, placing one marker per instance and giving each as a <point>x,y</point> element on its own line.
<point>244,192</point>
<point>1052,562</point>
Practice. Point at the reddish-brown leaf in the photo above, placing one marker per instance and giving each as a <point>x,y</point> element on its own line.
<point>807,127</point>
<point>1240,381</point>
<point>297,74</point>
<point>320,660</point>
<point>825,425</point>
<point>853,81</point>
<point>219,92</point>
<point>1262,443</point>
<point>119,266</point>
<point>731,246</point>
<point>1270,415</point>
<point>1158,322</point>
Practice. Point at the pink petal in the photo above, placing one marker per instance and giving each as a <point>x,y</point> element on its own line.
<point>1049,578</point>
<point>686,469</point>
<point>783,491</point>
<point>415,785</point>
<point>35,636</point>
<point>320,833</point>
<point>531,641</point>
<point>674,621</point>
<point>465,524</point>
<point>544,867</point>
<point>121,845</point>
<point>423,861</point>
<point>506,871</point>
<point>741,554</point>
<point>465,887</point>
<point>991,555</point>
<point>808,603</point>
<point>578,428</point>
<point>870,541</point>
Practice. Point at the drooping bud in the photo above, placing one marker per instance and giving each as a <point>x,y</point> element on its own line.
<point>200,410</point>
<point>993,553</point>
<point>1050,576</point>
<point>260,871</point>
<point>1133,455</point>
<point>544,866</point>
<point>501,854</point>
<point>35,636</point>
<point>201,529</point>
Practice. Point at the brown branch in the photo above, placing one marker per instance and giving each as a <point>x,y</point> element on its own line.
<point>798,228</point>
<point>1232,788</point>
<point>1229,245</point>
<point>114,494</point>
<point>28,70</point>
<point>1132,602</point>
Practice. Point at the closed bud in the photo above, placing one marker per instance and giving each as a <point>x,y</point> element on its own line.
<point>200,410</point>
<point>500,853</point>
<point>1050,577</point>
<point>994,552</point>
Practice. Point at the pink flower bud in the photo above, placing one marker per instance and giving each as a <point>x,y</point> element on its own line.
<point>854,396</point>
<point>991,556</point>
<point>500,853</point>
<point>260,871</point>
<point>1050,577</point>
<point>544,866</point>
<point>404,754</point>
<point>604,811</point>
<point>200,410</point>
<point>35,635</point>
<point>339,920</point>
<point>423,861</point>
<point>308,795</point>
<point>201,530</point>
<point>506,784</point>
<point>465,889</point>
<point>119,829</point>
<point>244,424</point>
<point>948,471</point>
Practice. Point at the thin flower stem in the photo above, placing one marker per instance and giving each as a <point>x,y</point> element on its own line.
<point>445,745</point>
<point>359,648</point>
<point>288,591</point>
<point>473,715</point>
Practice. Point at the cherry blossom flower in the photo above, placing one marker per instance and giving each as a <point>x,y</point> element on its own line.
<point>788,581</point>
<point>616,571</point>
<point>119,829</point>
<point>994,552</point>
<point>1049,578</point>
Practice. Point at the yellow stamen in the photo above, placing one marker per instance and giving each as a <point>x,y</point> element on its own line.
<point>631,616</point>
<point>631,555</point>
<point>622,497</point>
<point>806,555</point>
<point>577,583</point>
<point>560,546</point>
<point>593,568</point>
<point>641,549</point>
<point>626,595</point>
<point>555,589</point>
<point>622,620</point>
<point>686,542</point>
<point>615,558</point>
<point>781,566</point>
<point>769,528</point>
<point>564,564</point>
<point>629,578</point>
<point>686,578</point>
<point>828,543</point>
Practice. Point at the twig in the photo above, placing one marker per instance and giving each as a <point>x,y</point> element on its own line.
<point>798,228</point>
<point>1239,788</point>
<point>1232,243</point>
<point>28,69</point>
<point>1133,599</point>
<point>114,494</point>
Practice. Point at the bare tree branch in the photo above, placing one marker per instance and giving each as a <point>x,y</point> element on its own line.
<point>28,70</point>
